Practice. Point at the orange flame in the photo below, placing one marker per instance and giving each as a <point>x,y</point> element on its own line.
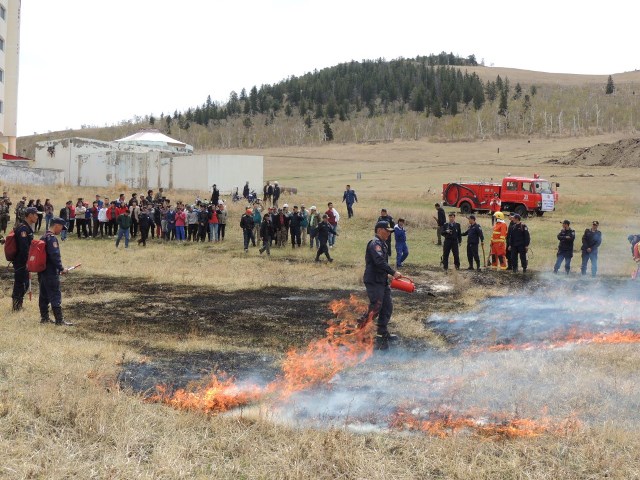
<point>442,423</point>
<point>219,395</point>
<point>345,345</point>
<point>573,337</point>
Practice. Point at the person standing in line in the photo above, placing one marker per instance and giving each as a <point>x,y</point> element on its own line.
<point>146,224</point>
<point>591,241</point>
<point>518,240</point>
<point>95,222</point>
<point>257,219</point>
<point>402,250</point>
<point>314,221</point>
<point>181,221</point>
<point>134,210</point>
<point>441,219</point>
<point>49,279</point>
<point>223,216</point>
<point>213,222</point>
<point>48,213</point>
<point>452,234</point>
<point>103,220</point>
<point>376,281</point>
<point>124,224</point>
<point>40,207</point>
<point>474,238</point>
<point>245,190</point>
<point>304,224</point>
<point>24,236</point>
<point>566,237</point>
<point>81,225</point>
<point>295,224</point>
<point>247,225</point>
<point>349,196</point>
<point>192,224</point>
<point>324,230</point>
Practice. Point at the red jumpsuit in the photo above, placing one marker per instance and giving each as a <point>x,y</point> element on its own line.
<point>499,245</point>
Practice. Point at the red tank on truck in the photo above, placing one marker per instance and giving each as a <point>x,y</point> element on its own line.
<point>522,195</point>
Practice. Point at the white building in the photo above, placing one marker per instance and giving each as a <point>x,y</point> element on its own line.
<point>9,56</point>
<point>96,163</point>
<point>155,140</point>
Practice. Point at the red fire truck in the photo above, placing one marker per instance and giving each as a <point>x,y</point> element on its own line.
<point>522,195</point>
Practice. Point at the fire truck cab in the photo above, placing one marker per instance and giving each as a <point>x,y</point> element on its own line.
<point>522,195</point>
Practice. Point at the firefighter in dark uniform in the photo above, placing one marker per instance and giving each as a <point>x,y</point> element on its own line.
<point>475,237</point>
<point>385,217</point>
<point>452,240</point>
<point>24,236</point>
<point>49,279</point>
<point>376,281</point>
<point>518,239</point>
<point>509,228</point>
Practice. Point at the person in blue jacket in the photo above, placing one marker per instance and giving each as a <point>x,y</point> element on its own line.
<point>402,250</point>
<point>349,196</point>
<point>474,238</point>
<point>591,241</point>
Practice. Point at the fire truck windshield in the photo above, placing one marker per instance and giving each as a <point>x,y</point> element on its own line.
<point>543,187</point>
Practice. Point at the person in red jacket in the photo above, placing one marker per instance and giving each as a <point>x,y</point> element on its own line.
<point>495,205</point>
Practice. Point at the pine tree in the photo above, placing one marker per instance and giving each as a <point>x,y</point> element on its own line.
<point>152,119</point>
<point>610,87</point>
<point>503,108</point>
<point>518,91</point>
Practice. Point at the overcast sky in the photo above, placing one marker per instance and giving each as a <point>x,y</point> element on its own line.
<point>93,62</point>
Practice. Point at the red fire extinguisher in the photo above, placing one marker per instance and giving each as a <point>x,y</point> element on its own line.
<point>403,283</point>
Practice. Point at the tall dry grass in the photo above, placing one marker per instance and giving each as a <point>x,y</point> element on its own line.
<point>63,416</point>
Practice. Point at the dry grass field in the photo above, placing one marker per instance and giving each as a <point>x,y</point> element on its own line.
<point>448,402</point>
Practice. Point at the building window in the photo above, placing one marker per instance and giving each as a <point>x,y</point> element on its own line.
<point>1,76</point>
<point>1,44</point>
<point>1,107</point>
<point>3,12</point>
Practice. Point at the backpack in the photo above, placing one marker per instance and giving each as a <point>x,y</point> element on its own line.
<point>37,261</point>
<point>11,246</point>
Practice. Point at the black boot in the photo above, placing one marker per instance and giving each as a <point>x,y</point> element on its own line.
<point>16,304</point>
<point>44,316</point>
<point>57,313</point>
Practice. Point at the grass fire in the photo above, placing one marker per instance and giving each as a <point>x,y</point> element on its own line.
<point>201,360</point>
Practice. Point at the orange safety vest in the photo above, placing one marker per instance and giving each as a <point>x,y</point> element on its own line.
<point>499,239</point>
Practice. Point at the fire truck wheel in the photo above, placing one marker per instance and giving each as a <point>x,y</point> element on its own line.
<point>539,214</point>
<point>522,211</point>
<point>465,208</point>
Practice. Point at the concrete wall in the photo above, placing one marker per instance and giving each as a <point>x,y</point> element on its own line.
<point>17,174</point>
<point>62,154</point>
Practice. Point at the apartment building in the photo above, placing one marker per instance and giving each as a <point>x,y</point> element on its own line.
<point>9,59</point>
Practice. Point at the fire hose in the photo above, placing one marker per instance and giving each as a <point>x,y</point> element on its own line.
<point>458,188</point>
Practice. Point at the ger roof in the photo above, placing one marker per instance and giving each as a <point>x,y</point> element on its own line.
<point>151,136</point>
